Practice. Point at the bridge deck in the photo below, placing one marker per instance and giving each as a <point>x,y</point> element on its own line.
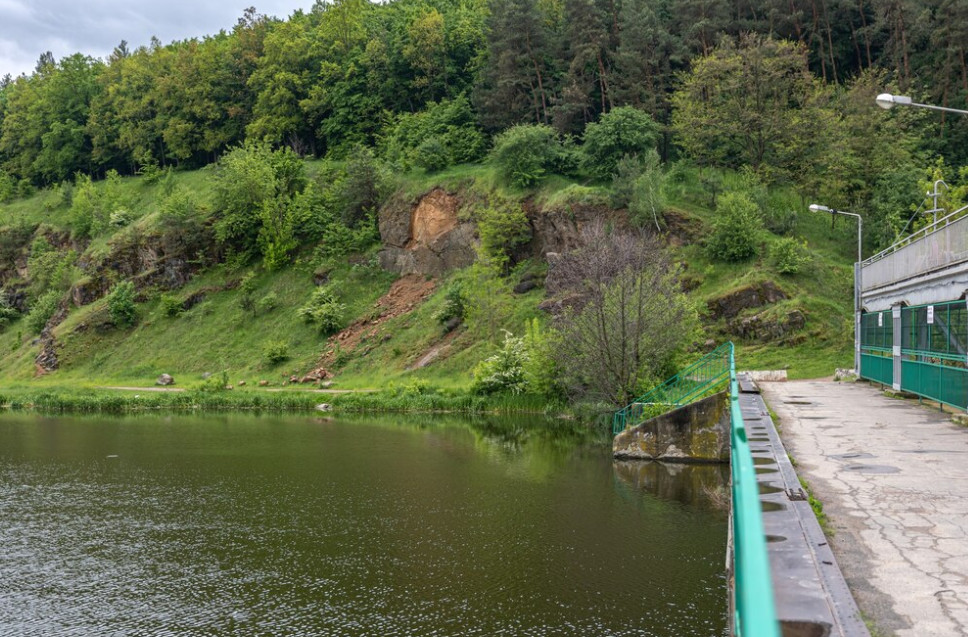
<point>811,594</point>
<point>893,478</point>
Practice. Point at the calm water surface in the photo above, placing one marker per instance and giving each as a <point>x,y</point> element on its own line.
<point>245,525</point>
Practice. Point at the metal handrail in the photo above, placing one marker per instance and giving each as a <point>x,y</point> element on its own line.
<point>919,234</point>
<point>754,608</point>
<point>690,383</point>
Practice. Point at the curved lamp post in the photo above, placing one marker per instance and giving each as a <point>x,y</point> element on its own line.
<point>887,101</point>
<point>857,277</point>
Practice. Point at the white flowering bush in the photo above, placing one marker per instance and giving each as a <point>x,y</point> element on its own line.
<point>504,371</point>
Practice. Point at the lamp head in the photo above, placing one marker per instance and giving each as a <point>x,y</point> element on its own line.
<point>886,100</point>
<point>818,208</point>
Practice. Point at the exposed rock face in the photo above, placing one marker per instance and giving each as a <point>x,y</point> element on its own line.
<point>757,295</point>
<point>47,360</point>
<point>145,260</point>
<point>761,327</point>
<point>560,230</point>
<point>559,304</point>
<point>430,238</point>
<point>87,290</point>
<point>427,238</point>
<point>17,297</point>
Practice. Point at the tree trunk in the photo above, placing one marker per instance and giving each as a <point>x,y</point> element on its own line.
<point>537,72</point>
<point>863,26</point>
<point>830,42</point>
<point>822,56</point>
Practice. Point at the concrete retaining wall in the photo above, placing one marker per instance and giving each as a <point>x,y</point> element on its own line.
<point>698,432</point>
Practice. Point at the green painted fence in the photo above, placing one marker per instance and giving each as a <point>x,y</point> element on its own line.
<point>754,608</point>
<point>933,350</point>
<point>702,378</point>
<point>877,366</point>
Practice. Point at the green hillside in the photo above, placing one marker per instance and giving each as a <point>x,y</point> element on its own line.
<point>554,201</point>
<point>218,333</point>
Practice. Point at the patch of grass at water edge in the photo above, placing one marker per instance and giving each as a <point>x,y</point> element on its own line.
<point>66,400</point>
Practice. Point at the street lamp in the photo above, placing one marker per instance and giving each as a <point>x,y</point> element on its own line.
<point>887,101</point>
<point>857,277</point>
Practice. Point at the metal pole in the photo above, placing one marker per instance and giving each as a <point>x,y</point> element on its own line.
<point>858,294</point>
<point>858,276</point>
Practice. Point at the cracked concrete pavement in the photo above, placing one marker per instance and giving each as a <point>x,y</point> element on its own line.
<point>893,478</point>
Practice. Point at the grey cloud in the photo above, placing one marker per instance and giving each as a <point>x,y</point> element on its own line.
<point>94,28</point>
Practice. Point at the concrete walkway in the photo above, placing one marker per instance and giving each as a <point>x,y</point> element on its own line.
<point>893,478</point>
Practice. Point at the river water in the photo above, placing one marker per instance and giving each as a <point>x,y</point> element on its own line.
<point>295,525</point>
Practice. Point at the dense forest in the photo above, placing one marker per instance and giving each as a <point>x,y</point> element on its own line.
<point>256,192</point>
<point>783,87</point>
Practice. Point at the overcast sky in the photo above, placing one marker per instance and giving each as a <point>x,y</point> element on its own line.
<point>95,27</point>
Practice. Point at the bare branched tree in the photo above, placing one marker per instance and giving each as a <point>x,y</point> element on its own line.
<point>627,317</point>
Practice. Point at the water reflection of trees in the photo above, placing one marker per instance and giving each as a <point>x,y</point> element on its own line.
<point>511,432</point>
<point>701,485</point>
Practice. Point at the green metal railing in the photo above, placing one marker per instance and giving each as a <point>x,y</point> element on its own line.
<point>934,340</point>
<point>876,347</point>
<point>692,383</point>
<point>754,608</point>
<point>933,351</point>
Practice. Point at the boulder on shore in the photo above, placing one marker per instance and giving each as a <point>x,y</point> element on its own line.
<point>165,380</point>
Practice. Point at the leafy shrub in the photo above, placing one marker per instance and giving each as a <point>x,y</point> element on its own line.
<point>274,352</point>
<point>539,366</point>
<point>454,306</point>
<point>25,188</point>
<point>788,255</point>
<point>41,311</point>
<point>148,168</point>
<point>215,382</point>
<point>627,170</point>
<point>8,312</point>
<point>121,304</point>
<point>121,217</point>
<point>638,184</point>
<point>523,154</point>
<point>415,387</point>
<point>441,135</point>
<point>171,306</point>
<point>324,311</point>
<point>431,155</point>
<point>49,268</point>
<point>181,222</point>
<point>267,303</point>
<point>737,227</point>
<point>8,187</point>
<point>504,371</point>
<point>780,220</point>
<point>620,132</point>
<point>86,214</point>
<point>245,179</point>
<point>501,228</point>
<point>13,239</point>
<point>365,187</point>
<point>340,240</point>
<point>277,236</point>
<point>246,290</point>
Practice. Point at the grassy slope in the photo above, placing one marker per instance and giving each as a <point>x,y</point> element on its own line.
<point>217,334</point>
